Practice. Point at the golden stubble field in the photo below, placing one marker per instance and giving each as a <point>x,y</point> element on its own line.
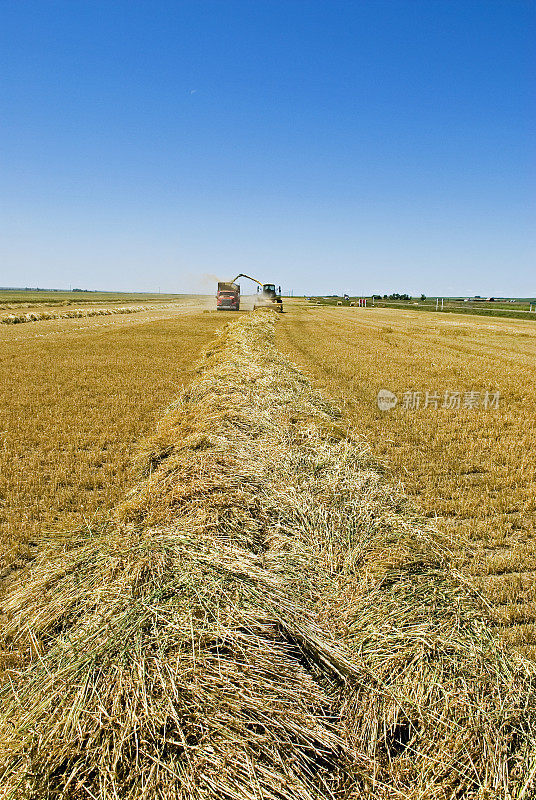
<point>473,469</point>
<point>76,397</point>
<point>264,617</point>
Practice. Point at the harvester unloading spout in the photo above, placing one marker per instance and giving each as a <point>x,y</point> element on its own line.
<point>241,275</point>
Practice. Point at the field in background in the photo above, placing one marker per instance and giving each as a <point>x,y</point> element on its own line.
<point>75,397</point>
<point>521,308</point>
<point>475,469</point>
<point>33,298</point>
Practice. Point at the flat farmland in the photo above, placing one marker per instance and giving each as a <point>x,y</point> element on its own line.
<point>472,469</point>
<point>35,298</point>
<point>76,396</point>
<point>264,599</point>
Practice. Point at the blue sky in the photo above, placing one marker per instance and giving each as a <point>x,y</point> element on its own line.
<point>374,146</point>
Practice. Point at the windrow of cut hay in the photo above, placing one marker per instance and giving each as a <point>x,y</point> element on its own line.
<point>74,313</point>
<point>263,618</point>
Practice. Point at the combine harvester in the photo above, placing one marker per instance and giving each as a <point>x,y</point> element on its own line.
<point>228,295</point>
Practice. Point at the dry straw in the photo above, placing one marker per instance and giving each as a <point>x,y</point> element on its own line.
<point>74,313</point>
<point>264,618</point>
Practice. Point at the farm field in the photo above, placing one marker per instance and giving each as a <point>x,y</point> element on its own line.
<point>515,309</point>
<point>34,299</point>
<point>76,396</point>
<point>471,470</point>
<point>229,599</point>
<point>79,393</point>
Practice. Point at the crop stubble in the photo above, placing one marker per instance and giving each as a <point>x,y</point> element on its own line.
<point>75,398</point>
<point>263,617</point>
<point>473,470</point>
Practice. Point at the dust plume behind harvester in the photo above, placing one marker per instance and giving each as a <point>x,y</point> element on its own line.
<point>228,295</point>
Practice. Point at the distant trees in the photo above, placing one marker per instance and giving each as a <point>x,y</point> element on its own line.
<point>405,298</point>
<point>397,296</point>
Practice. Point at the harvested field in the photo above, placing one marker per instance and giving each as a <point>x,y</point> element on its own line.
<point>471,470</point>
<point>263,617</point>
<point>76,396</point>
<point>28,298</point>
<point>72,313</point>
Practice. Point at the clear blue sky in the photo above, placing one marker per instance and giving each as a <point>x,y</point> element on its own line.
<point>327,145</point>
